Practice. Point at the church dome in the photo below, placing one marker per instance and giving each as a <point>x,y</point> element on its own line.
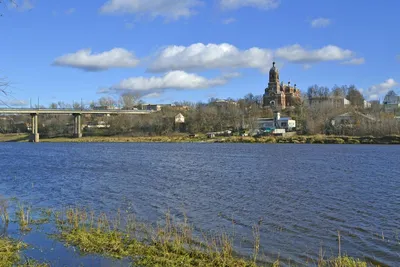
<point>274,73</point>
<point>274,70</point>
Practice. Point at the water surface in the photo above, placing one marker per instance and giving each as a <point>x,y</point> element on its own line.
<point>301,194</point>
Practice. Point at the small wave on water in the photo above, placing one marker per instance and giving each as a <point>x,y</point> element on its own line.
<point>301,196</point>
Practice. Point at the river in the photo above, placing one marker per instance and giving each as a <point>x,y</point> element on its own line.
<point>302,195</point>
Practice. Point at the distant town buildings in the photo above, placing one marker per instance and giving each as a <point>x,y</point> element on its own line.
<point>350,119</point>
<point>224,103</point>
<point>329,101</point>
<point>367,104</point>
<point>391,102</point>
<point>278,95</point>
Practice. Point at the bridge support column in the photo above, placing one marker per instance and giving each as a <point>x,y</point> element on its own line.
<point>77,125</point>
<point>34,137</point>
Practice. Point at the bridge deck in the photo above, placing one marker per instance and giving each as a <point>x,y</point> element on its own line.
<point>73,111</point>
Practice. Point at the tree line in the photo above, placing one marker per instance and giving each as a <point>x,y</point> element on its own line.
<point>232,114</point>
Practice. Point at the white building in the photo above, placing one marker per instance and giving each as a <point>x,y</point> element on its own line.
<point>179,118</point>
<point>367,104</point>
<point>330,101</point>
<point>277,123</point>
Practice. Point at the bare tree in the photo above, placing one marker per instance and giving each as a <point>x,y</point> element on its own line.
<point>77,106</point>
<point>63,105</point>
<point>107,101</point>
<point>53,106</point>
<point>128,100</point>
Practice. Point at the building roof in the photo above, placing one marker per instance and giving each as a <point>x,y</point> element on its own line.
<point>350,114</point>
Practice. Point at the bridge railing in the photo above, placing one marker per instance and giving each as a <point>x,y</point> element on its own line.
<point>77,110</point>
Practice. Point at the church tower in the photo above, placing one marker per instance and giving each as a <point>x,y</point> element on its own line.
<point>280,96</point>
<point>274,78</point>
<point>273,96</point>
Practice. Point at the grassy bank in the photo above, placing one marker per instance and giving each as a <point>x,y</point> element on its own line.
<point>14,137</point>
<point>168,243</point>
<point>297,139</point>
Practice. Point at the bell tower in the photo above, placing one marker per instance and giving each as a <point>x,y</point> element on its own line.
<point>273,84</point>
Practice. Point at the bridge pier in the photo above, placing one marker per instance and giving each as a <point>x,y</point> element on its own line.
<point>77,125</point>
<point>34,137</point>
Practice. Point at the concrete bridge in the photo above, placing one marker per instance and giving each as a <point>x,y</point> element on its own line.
<point>77,113</point>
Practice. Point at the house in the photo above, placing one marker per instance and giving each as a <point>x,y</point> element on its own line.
<point>179,118</point>
<point>277,122</point>
<point>367,104</point>
<point>350,119</point>
<point>330,101</point>
<point>391,102</point>
<point>224,103</point>
<point>154,107</point>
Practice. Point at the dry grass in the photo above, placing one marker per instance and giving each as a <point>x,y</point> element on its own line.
<point>167,244</point>
<point>4,211</point>
<point>23,216</point>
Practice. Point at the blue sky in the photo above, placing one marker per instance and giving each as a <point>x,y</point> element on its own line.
<point>174,50</point>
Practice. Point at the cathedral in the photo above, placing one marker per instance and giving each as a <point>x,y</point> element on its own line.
<point>278,95</point>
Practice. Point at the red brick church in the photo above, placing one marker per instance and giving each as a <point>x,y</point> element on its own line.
<point>279,95</point>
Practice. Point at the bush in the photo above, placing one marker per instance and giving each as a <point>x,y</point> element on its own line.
<point>334,141</point>
<point>353,141</point>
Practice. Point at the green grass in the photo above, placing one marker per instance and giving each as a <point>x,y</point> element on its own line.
<point>170,244</point>
<point>343,262</point>
<point>167,244</point>
<point>10,254</point>
<point>14,137</point>
<point>10,251</point>
<point>184,138</point>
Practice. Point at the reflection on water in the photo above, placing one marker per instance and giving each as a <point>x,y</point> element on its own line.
<point>301,194</point>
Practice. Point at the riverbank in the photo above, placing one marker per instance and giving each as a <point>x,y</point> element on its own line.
<point>297,139</point>
<point>121,237</point>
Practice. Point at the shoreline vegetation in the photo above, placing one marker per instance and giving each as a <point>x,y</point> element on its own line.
<point>122,237</point>
<point>201,138</point>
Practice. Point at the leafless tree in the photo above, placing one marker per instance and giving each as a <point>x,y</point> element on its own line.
<point>107,101</point>
<point>128,100</point>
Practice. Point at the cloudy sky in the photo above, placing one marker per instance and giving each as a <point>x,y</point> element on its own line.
<point>174,50</point>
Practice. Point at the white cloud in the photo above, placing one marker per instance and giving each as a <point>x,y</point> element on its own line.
<point>228,20</point>
<point>380,89</point>
<point>171,9</point>
<point>222,56</point>
<point>175,80</point>
<point>297,54</point>
<point>307,66</point>
<point>152,95</point>
<point>84,59</point>
<point>354,61</point>
<point>320,23</point>
<point>261,4</point>
<point>21,5</point>
<point>211,56</point>
<point>70,11</point>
